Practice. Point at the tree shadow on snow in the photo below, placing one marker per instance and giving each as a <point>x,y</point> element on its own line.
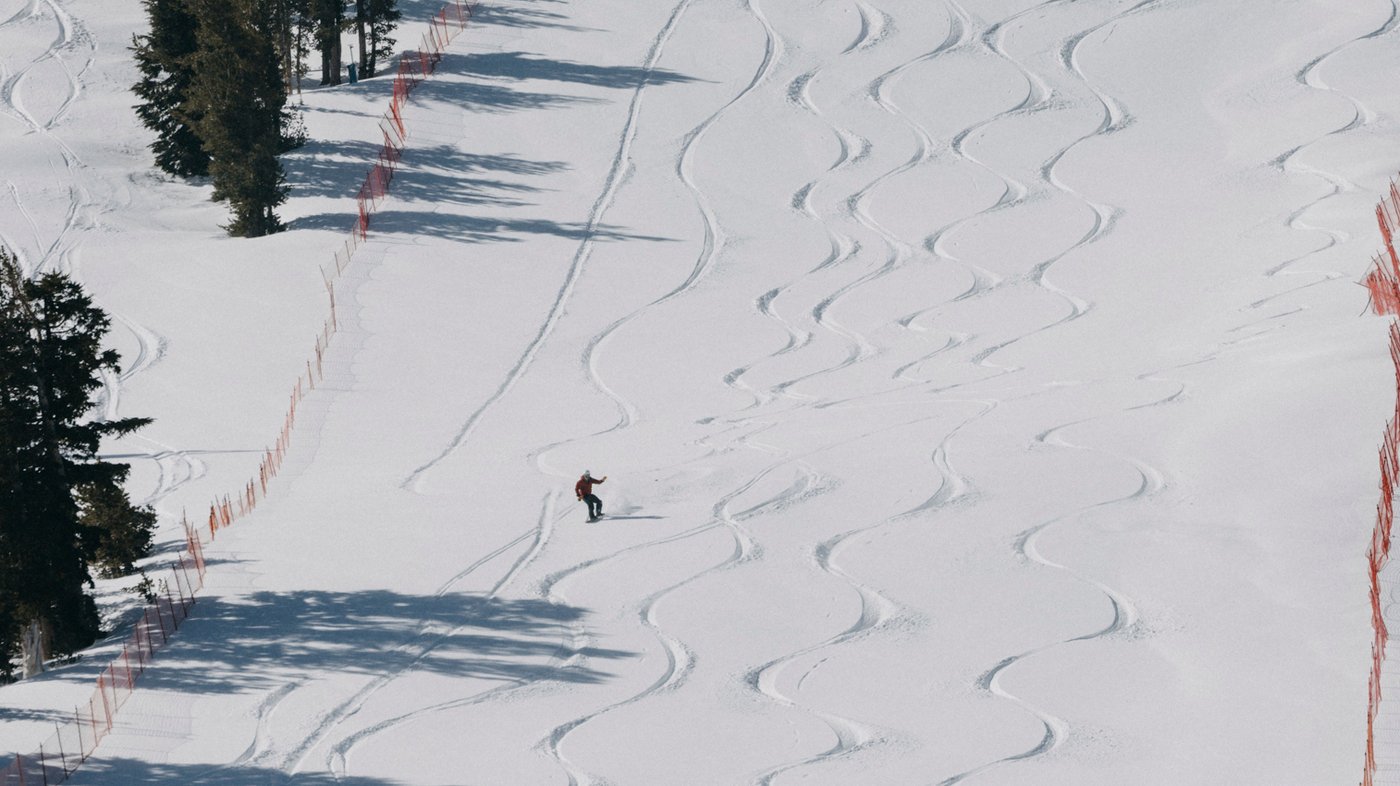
<point>516,15</point>
<point>122,770</point>
<point>479,96</point>
<point>469,229</point>
<point>8,714</point>
<point>517,65</point>
<point>229,645</point>
<point>440,173</point>
<point>478,82</point>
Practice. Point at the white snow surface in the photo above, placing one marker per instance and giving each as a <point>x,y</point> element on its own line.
<point>983,389</point>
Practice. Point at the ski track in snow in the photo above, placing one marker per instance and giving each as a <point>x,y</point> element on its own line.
<point>60,251</point>
<point>1362,116</point>
<point>414,481</point>
<point>426,640</point>
<point>1125,614</point>
<point>338,759</point>
<point>877,612</point>
<point>679,656</point>
<point>876,609</point>
<point>876,27</point>
<point>1114,118</point>
<point>264,753</point>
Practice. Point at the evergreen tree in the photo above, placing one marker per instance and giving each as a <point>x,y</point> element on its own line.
<point>280,22</point>
<point>362,33</point>
<point>282,17</point>
<point>302,41</point>
<point>238,88</point>
<point>163,58</point>
<point>328,22</point>
<point>51,361</point>
<point>376,20</point>
<point>115,533</point>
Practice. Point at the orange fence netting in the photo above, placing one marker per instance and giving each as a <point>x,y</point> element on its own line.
<point>1383,282</point>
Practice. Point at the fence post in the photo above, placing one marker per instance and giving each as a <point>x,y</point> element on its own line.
<point>174,618</point>
<point>164,636</point>
<point>189,583</point>
<point>150,630</point>
<point>78,719</point>
<point>117,698</point>
<point>62,757</point>
<point>106,708</point>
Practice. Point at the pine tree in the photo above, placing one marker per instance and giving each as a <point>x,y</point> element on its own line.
<point>328,20</point>
<point>376,20</point>
<point>282,15</point>
<point>115,533</point>
<point>163,58</point>
<point>238,89</point>
<point>362,34</point>
<point>279,21</point>
<point>51,362</point>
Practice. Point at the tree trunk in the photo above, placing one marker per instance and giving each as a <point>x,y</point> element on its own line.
<point>284,44</point>
<point>335,60</point>
<point>32,649</point>
<point>300,45</point>
<point>360,24</point>
<point>372,61</point>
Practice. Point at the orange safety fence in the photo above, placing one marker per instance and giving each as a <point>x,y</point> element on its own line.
<point>1383,279</point>
<point>1383,282</point>
<point>75,740</point>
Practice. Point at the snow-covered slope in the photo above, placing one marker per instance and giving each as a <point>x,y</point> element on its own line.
<point>981,388</point>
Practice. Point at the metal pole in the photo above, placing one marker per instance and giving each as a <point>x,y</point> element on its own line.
<point>62,757</point>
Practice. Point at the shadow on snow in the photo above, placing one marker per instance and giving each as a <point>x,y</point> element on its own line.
<point>518,16</point>
<point>231,645</point>
<point>469,229</point>
<point>517,65</point>
<point>444,173</point>
<point>122,770</point>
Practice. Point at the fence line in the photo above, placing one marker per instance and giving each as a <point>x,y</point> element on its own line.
<point>74,741</point>
<point>1383,283</point>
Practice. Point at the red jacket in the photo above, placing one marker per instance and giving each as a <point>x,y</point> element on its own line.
<point>584,486</point>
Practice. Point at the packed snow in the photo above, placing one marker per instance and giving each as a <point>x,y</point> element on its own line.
<point>983,388</point>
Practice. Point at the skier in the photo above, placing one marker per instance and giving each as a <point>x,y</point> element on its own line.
<point>584,490</point>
